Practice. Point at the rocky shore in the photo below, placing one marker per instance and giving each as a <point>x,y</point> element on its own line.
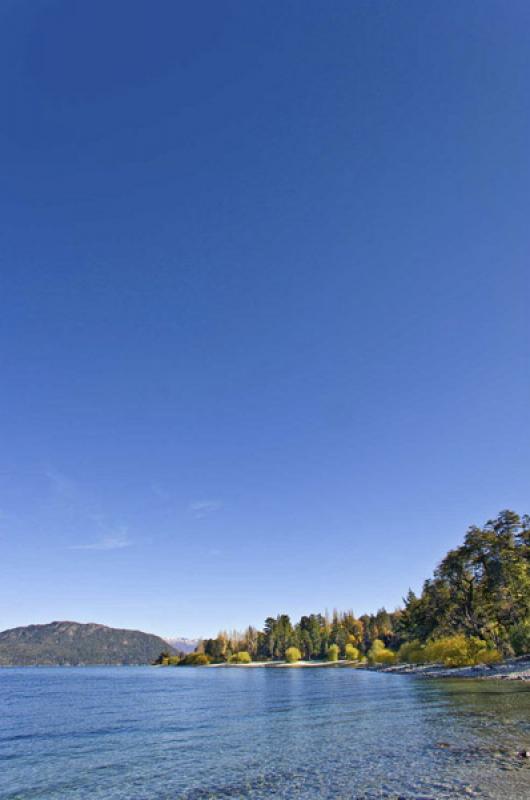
<point>513,669</point>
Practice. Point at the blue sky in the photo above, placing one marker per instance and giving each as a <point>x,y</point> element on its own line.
<point>264,303</point>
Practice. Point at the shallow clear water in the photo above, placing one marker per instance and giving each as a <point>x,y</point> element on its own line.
<point>133,733</point>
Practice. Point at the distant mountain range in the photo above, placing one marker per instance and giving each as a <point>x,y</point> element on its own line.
<point>183,645</point>
<point>75,644</point>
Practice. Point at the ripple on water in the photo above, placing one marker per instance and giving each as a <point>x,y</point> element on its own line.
<point>129,734</point>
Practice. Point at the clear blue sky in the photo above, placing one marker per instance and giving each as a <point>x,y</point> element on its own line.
<point>264,302</point>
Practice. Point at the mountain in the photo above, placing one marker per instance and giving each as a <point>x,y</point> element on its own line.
<point>183,645</point>
<point>73,643</point>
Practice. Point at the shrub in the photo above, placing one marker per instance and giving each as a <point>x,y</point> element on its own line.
<point>386,657</point>
<point>194,660</point>
<point>333,652</point>
<point>490,656</point>
<point>412,653</point>
<point>240,658</point>
<point>379,654</point>
<point>351,652</point>
<point>460,651</point>
<point>520,638</point>
<point>451,651</point>
<point>163,659</point>
<point>293,654</point>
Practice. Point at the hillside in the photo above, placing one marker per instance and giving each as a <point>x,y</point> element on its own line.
<point>73,643</point>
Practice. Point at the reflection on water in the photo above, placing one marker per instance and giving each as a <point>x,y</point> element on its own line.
<point>129,733</point>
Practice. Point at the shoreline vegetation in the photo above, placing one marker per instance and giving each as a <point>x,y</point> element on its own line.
<point>472,619</point>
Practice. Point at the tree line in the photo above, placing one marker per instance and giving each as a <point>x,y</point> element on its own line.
<point>314,637</point>
<point>475,608</point>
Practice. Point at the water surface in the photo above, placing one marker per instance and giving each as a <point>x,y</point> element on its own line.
<point>128,733</point>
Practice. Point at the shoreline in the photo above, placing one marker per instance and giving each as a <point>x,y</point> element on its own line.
<point>285,664</point>
<point>512,669</point>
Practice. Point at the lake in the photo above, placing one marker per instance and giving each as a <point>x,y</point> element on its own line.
<point>131,733</point>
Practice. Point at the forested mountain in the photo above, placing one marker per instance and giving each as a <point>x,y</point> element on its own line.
<point>476,608</point>
<point>72,643</point>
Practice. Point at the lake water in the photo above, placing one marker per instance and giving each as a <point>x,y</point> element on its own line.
<point>132,733</point>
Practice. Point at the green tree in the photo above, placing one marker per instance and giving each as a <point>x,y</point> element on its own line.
<point>481,589</point>
<point>520,638</point>
<point>194,660</point>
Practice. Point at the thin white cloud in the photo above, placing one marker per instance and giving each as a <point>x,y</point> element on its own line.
<point>115,542</point>
<point>160,492</point>
<point>111,543</point>
<point>60,483</point>
<point>75,509</point>
<point>203,508</point>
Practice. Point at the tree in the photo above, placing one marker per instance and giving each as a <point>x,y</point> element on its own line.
<point>163,658</point>
<point>269,637</point>
<point>480,589</point>
<point>520,638</point>
<point>311,635</point>
<point>194,660</point>
<point>284,635</point>
<point>250,641</point>
<point>216,649</point>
